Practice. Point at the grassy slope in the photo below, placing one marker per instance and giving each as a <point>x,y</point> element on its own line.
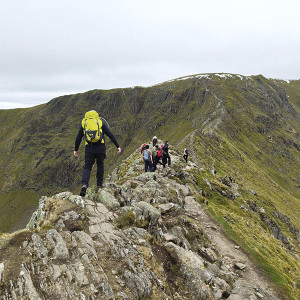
<point>293,90</point>
<point>16,206</point>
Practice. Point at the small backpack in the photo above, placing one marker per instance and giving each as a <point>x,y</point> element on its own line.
<point>159,153</point>
<point>163,151</point>
<point>146,154</point>
<point>92,127</point>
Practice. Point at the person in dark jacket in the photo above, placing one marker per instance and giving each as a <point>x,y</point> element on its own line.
<point>167,157</point>
<point>164,156</point>
<point>94,151</point>
<point>185,154</point>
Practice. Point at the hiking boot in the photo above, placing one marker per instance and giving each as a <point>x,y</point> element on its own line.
<point>83,191</point>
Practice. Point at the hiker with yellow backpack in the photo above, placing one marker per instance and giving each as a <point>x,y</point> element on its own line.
<point>92,129</point>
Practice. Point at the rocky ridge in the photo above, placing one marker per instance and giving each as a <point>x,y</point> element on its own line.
<point>143,236</point>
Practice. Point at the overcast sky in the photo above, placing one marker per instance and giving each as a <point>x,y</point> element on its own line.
<point>52,48</point>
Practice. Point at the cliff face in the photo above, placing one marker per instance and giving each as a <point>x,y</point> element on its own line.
<point>143,236</point>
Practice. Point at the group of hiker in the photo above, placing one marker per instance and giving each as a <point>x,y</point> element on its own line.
<point>156,155</point>
<point>92,130</point>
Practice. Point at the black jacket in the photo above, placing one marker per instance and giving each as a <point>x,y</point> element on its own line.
<point>97,147</point>
<point>166,148</point>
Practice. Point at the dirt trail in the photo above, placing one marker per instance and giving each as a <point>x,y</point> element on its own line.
<point>191,146</point>
<point>192,152</point>
<point>230,251</point>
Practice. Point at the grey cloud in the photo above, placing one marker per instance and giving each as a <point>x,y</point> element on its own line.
<point>68,46</point>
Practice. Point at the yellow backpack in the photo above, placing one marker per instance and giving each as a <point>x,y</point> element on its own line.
<point>92,127</point>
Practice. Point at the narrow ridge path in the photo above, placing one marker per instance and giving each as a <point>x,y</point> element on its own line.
<point>231,252</point>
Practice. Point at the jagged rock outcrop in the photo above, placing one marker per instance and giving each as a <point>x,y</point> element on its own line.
<point>135,239</point>
<point>285,219</point>
<point>274,227</point>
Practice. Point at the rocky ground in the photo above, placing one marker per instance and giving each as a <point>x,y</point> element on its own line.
<point>143,236</point>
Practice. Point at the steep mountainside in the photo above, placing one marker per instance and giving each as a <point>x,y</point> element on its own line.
<point>252,116</point>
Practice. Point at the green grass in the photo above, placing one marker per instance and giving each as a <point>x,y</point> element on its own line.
<point>16,209</point>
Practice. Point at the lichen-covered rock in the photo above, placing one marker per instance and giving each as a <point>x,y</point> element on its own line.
<point>148,212</point>
<point>193,271</point>
<point>108,200</point>
<point>40,250</point>
<point>78,272</point>
<point>182,241</point>
<point>57,242</point>
<point>29,290</point>
<point>208,254</point>
<point>77,200</point>
<point>140,283</point>
<point>90,194</point>
<point>168,208</point>
<point>118,242</point>
<point>87,242</point>
<point>38,216</point>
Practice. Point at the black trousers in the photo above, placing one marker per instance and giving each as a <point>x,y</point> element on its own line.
<point>166,159</point>
<point>90,159</point>
<point>155,161</point>
<point>185,156</point>
<point>148,164</point>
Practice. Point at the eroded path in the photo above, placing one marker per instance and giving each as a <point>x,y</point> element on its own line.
<point>231,253</point>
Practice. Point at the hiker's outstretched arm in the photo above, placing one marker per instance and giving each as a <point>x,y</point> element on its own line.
<point>78,138</point>
<point>110,135</point>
